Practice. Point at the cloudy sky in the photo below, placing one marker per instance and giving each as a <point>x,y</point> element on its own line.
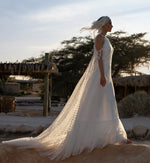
<point>30,27</point>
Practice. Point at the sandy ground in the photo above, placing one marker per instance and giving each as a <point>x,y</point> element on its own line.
<point>110,154</point>
<point>31,117</point>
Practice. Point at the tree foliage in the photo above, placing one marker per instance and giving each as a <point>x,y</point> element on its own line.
<point>73,58</point>
<point>129,52</point>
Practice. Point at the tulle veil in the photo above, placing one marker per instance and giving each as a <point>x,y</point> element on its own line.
<point>59,134</point>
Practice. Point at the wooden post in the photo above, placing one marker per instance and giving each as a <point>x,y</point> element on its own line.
<point>50,93</point>
<point>50,88</point>
<point>135,88</point>
<point>46,87</point>
<point>125,90</point>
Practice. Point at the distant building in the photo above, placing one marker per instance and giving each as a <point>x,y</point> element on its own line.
<point>32,85</point>
<point>12,87</point>
<point>127,85</point>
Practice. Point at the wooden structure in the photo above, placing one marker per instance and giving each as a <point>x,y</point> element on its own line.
<point>7,104</point>
<point>44,69</point>
<point>130,84</point>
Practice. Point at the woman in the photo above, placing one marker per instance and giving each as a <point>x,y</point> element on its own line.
<point>90,117</point>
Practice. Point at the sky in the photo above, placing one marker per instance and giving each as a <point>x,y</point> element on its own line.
<point>29,28</point>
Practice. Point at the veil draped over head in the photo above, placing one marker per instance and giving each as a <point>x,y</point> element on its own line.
<point>98,24</point>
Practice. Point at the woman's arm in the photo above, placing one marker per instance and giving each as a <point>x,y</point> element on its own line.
<point>99,45</point>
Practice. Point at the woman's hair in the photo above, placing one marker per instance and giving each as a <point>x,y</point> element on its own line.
<point>97,25</point>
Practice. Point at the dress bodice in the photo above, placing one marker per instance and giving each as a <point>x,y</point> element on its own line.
<point>106,56</point>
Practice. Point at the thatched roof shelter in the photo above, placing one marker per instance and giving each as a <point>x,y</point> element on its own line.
<point>27,68</point>
<point>142,80</point>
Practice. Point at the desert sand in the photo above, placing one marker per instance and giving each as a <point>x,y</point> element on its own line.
<point>117,153</point>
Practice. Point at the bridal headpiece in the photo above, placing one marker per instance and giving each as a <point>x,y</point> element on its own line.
<point>101,22</point>
<point>98,24</point>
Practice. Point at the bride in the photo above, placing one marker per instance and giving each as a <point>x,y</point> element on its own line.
<point>90,117</point>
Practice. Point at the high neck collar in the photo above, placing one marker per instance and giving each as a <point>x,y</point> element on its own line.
<point>102,35</point>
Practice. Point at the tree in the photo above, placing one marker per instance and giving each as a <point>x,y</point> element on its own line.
<point>71,61</point>
<point>73,58</point>
<point>129,52</point>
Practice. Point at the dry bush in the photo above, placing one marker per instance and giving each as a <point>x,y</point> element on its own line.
<point>136,104</point>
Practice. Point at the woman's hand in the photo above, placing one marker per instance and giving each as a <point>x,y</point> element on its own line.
<point>103,81</point>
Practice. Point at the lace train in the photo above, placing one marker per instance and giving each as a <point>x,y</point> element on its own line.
<point>89,119</point>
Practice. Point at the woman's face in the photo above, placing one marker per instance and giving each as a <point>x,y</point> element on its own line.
<point>108,26</point>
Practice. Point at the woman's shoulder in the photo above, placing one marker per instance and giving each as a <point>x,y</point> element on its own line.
<point>100,38</point>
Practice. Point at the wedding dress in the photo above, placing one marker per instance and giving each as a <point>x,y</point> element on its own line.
<point>88,120</point>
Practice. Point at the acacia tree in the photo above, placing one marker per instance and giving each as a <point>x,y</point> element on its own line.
<point>71,61</point>
<point>129,52</point>
<point>73,58</point>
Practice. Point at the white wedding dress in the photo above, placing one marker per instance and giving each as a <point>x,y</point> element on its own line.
<point>88,120</point>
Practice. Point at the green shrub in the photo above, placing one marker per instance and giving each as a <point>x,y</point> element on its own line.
<point>136,104</point>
